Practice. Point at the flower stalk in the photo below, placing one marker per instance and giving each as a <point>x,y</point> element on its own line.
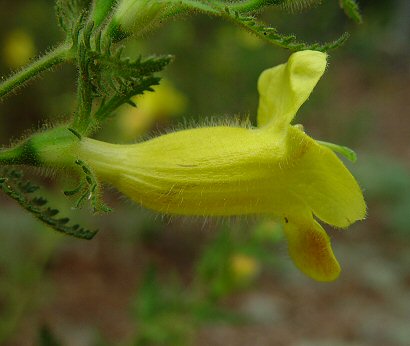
<point>46,62</point>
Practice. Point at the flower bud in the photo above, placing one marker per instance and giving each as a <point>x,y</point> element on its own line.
<point>139,16</point>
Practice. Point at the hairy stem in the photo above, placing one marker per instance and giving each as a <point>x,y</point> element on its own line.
<point>46,62</point>
<point>10,156</point>
<point>21,154</point>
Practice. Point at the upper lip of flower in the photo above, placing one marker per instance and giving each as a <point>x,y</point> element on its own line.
<point>325,187</point>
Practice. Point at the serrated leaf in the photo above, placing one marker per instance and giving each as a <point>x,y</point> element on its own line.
<point>116,80</point>
<point>272,36</point>
<point>68,13</point>
<point>110,73</point>
<point>238,13</point>
<point>106,75</point>
<point>28,187</point>
<point>39,201</point>
<point>12,183</point>
<point>139,87</point>
<point>351,8</point>
<point>88,189</point>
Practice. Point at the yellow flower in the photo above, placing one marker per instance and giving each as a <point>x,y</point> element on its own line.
<point>274,169</point>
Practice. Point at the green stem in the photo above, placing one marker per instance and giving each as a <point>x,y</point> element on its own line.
<point>46,62</point>
<point>10,156</point>
<point>19,155</point>
<point>82,119</point>
<point>52,147</point>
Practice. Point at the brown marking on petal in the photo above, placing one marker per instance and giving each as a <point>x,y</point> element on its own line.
<point>318,253</point>
<point>310,248</point>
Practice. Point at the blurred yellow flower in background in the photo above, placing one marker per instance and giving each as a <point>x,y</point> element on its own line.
<point>18,48</point>
<point>244,268</point>
<point>248,40</point>
<point>165,102</point>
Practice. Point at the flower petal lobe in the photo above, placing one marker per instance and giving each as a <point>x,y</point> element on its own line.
<point>284,88</point>
<point>310,249</point>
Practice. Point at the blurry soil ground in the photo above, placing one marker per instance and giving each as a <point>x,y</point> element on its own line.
<point>94,283</point>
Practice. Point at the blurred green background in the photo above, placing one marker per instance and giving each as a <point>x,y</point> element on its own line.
<point>153,280</point>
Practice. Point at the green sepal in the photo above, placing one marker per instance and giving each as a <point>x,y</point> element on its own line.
<point>88,189</point>
<point>101,10</point>
<point>343,150</point>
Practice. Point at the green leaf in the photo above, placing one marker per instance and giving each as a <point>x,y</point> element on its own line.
<point>238,14</point>
<point>116,80</point>
<point>88,189</point>
<point>13,184</point>
<point>139,87</point>
<point>351,9</point>
<point>117,74</point>
<point>272,36</point>
<point>68,12</point>
<point>105,74</point>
